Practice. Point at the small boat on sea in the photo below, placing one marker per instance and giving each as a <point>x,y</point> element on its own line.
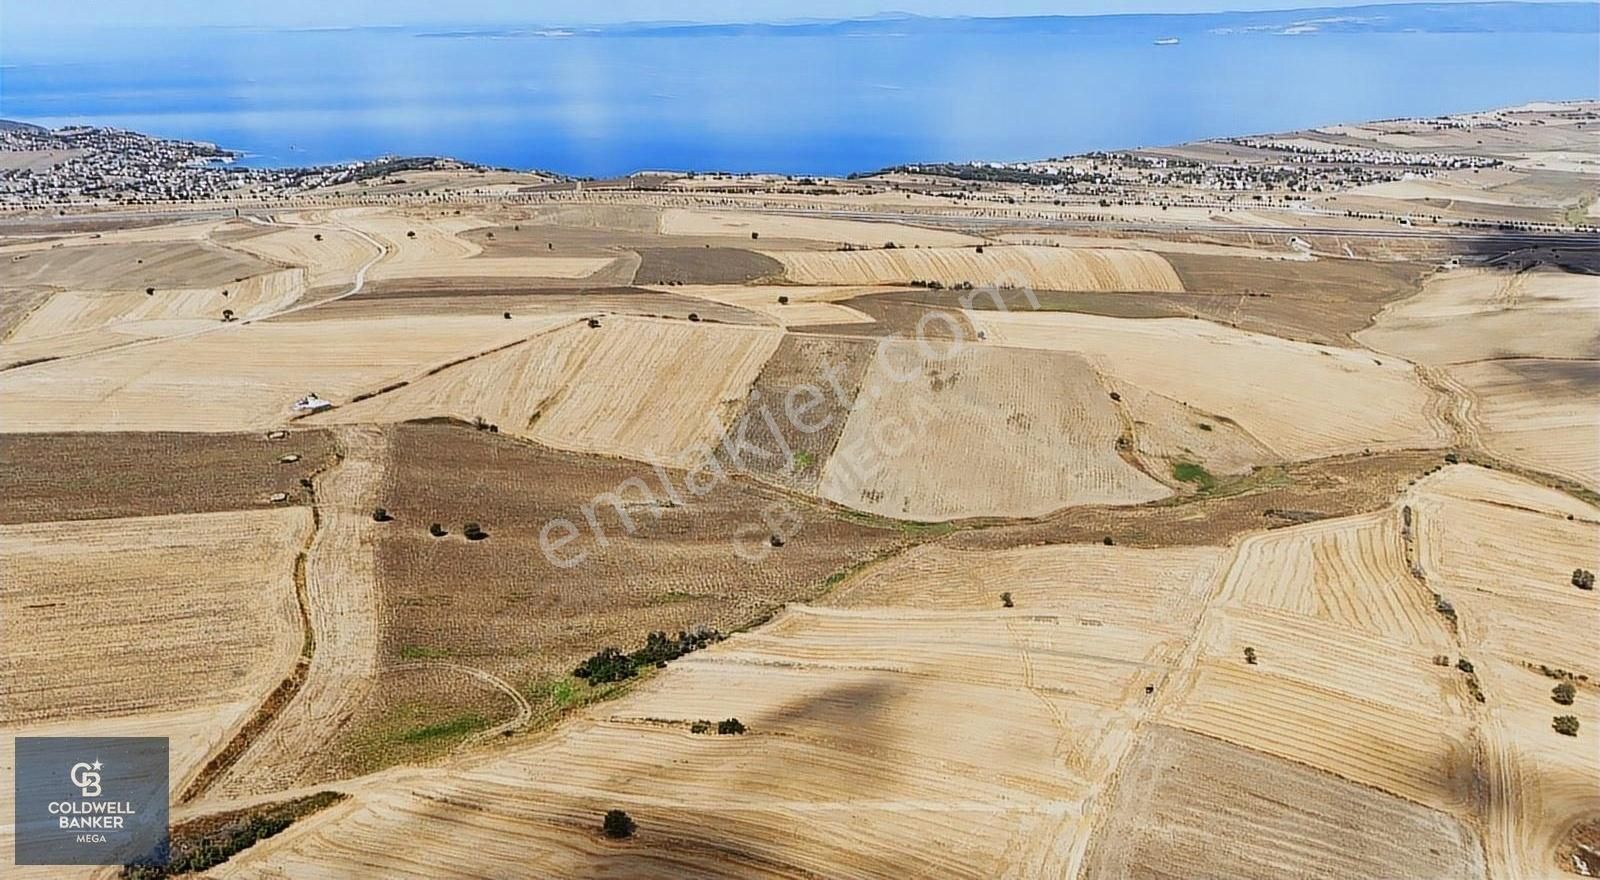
<point>1167,41</point>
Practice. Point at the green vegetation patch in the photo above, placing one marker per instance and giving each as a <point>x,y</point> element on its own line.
<point>1189,472</point>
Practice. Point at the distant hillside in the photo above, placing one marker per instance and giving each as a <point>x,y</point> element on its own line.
<point>1553,18</point>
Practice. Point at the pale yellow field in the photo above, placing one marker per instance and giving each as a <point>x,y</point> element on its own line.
<point>105,617</point>
<point>1167,432</point>
<point>649,389</point>
<point>1297,399</point>
<point>1502,551</point>
<point>1344,679</point>
<point>980,431</point>
<point>807,306</point>
<point>331,261</point>
<point>1539,412</point>
<point>678,221</point>
<point>1348,573</point>
<point>438,251</point>
<point>1157,245</point>
<point>1040,268</point>
<point>108,631</point>
<point>1477,314</point>
<point>74,321</point>
<point>968,723</point>
<point>243,377</point>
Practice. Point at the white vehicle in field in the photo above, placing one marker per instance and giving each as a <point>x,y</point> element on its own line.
<point>312,403</point>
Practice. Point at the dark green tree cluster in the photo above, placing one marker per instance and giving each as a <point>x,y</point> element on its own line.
<point>610,664</point>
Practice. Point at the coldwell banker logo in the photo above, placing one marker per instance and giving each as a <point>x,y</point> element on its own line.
<point>91,800</point>
<point>87,778</point>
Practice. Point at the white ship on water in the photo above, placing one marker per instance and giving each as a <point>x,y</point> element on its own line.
<point>1167,41</point>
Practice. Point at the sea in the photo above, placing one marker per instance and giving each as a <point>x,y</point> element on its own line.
<point>817,97</point>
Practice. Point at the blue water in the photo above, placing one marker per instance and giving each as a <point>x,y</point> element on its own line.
<point>818,100</point>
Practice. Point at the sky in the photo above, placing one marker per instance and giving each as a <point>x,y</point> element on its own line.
<point>22,16</point>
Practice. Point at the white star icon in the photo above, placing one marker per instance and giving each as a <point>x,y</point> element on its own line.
<point>97,763</point>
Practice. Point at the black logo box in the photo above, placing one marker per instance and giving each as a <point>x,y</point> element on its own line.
<point>91,800</point>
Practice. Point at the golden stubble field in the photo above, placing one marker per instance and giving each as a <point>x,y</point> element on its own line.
<point>1306,665</point>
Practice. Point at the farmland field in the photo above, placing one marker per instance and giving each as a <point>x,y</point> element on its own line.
<point>1225,509</point>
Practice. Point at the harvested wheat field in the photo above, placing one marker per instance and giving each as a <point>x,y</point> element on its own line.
<point>77,321</point>
<point>1225,509</point>
<point>330,255</point>
<point>1040,268</point>
<point>1220,810</point>
<point>800,306</point>
<point>102,475</point>
<point>159,264</point>
<point>1539,411</point>
<point>425,246</point>
<point>1477,314</point>
<point>653,390</point>
<point>244,377</point>
<point>984,727</point>
<point>676,221</point>
<point>797,409</point>
<point>1297,399</point>
<point>1502,551</point>
<point>980,431</point>
<point>103,618</point>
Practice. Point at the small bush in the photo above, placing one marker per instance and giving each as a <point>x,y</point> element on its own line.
<point>1005,600</point>
<point>437,530</point>
<point>754,236</point>
<point>1465,665</point>
<point>316,237</point>
<point>1564,693</point>
<point>783,300</point>
<point>474,532</point>
<point>730,727</point>
<point>618,825</point>
<point>381,515</point>
<point>1583,579</point>
<point>702,726</point>
<point>1566,725</point>
<point>411,233</point>
<point>1250,656</point>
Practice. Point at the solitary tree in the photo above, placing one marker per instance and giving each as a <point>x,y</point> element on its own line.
<point>618,825</point>
<point>227,314</point>
<point>381,515</point>
<point>1583,579</point>
<point>1566,725</point>
<point>437,530</point>
<point>1005,600</point>
<point>730,727</point>
<point>411,233</point>
<point>1250,656</point>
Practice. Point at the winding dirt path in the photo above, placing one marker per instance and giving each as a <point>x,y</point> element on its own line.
<point>520,719</point>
